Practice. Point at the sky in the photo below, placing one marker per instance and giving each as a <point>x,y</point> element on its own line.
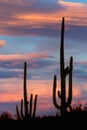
<point>30,31</point>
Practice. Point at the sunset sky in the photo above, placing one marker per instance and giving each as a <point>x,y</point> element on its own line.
<point>30,31</point>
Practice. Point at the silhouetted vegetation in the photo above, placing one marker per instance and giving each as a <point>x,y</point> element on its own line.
<point>29,109</point>
<point>64,71</point>
<point>6,116</point>
<point>75,119</point>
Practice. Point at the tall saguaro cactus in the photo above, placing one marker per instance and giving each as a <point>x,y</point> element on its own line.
<point>26,107</point>
<point>64,71</point>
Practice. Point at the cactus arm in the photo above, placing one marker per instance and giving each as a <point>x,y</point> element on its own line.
<point>59,94</point>
<point>54,93</point>
<point>66,71</point>
<point>22,115</point>
<point>31,101</point>
<point>70,82</point>
<point>70,108</point>
<point>35,103</point>
<point>17,111</point>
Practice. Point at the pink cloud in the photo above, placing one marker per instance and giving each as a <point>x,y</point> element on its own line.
<point>74,12</point>
<point>35,17</point>
<point>26,56</point>
<point>9,90</point>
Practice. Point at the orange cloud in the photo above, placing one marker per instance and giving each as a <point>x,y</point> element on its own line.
<point>2,43</point>
<point>26,56</point>
<point>38,17</point>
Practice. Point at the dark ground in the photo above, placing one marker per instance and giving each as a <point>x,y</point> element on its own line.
<point>75,121</point>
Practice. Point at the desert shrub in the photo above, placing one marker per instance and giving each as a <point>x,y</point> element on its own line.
<point>6,116</point>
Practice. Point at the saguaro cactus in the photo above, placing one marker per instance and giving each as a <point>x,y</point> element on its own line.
<point>28,109</point>
<point>64,71</point>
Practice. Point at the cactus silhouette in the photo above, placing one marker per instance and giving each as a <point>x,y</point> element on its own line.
<point>64,71</point>
<point>28,109</point>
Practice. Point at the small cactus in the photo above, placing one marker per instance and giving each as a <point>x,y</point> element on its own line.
<point>27,110</point>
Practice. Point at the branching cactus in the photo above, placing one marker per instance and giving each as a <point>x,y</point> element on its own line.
<point>64,71</point>
<point>28,109</point>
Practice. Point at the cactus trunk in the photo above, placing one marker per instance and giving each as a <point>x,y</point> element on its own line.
<point>25,90</point>
<point>62,76</point>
